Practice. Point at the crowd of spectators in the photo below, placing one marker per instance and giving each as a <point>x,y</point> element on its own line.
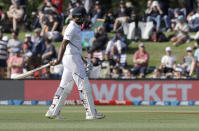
<point>109,55</point>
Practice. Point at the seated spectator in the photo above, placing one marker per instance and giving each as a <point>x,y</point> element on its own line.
<point>109,22</point>
<point>106,67</point>
<point>14,43</point>
<point>193,21</point>
<point>182,32</point>
<point>99,41</point>
<point>115,74</point>
<point>15,13</point>
<point>47,9</point>
<point>39,43</point>
<point>158,74</point>
<point>49,53</point>
<point>173,16</point>
<point>28,41</point>
<point>27,49</point>
<point>59,4</point>
<point>97,12</point>
<point>196,55</point>
<point>118,43</point>
<point>122,15</point>
<point>15,64</point>
<point>3,55</point>
<point>141,61</point>
<point>95,72</point>
<point>51,29</point>
<point>154,14</point>
<point>2,15</point>
<point>127,74</point>
<point>56,71</point>
<point>189,62</point>
<point>168,62</point>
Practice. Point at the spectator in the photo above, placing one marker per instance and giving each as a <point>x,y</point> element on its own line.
<point>196,55</point>
<point>99,40</point>
<point>49,53</point>
<point>97,13</point>
<point>44,13</point>
<point>122,15</point>
<point>15,64</point>
<point>28,42</point>
<point>109,21</point>
<point>2,15</point>
<point>95,72</point>
<point>14,43</point>
<point>106,67</point>
<point>141,61</point>
<point>3,55</point>
<point>59,4</point>
<point>168,62</point>
<point>154,14</point>
<point>27,49</point>
<point>127,74</point>
<point>39,43</point>
<point>158,74</point>
<point>182,32</point>
<point>51,29</point>
<point>193,21</point>
<point>118,43</point>
<point>173,16</point>
<point>115,74</point>
<point>189,63</point>
<point>15,13</point>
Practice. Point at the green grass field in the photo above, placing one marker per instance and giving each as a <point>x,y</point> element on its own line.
<point>118,118</point>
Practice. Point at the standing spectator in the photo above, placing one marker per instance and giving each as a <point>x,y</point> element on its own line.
<point>168,62</point>
<point>14,43</point>
<point>49,53</point>
<point>141,61</point>
<point>154,14</point>
<point>182,32</point>
<point>15,13</point>
<point>15,64</point>
<point>3,56</point>
<point>118,43</point>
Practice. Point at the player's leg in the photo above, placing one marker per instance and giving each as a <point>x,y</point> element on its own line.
<point>85,91</point>
<point>61,94</point>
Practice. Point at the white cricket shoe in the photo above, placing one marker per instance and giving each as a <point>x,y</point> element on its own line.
<point>50,116</point>
<point>97,116</point>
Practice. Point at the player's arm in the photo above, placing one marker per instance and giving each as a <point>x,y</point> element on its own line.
<point>61,52</point>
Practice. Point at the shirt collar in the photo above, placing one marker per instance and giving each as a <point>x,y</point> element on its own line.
<point>76,25</point>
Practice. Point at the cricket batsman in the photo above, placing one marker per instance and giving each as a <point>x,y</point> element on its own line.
<point>74,70</point>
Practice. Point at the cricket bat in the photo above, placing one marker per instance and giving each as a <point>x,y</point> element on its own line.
<point>29,73</point>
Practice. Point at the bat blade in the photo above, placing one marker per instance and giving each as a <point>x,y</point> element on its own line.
<point>29,73</point>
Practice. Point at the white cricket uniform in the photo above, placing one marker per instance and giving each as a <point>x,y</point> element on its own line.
<point>73,64</point>
<point>74,71</point>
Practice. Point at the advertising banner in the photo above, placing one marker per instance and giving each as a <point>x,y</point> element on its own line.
<point>121,90</point>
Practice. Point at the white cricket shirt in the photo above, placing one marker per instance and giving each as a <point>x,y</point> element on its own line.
<point>168,60</point>
<point>73,34</point>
